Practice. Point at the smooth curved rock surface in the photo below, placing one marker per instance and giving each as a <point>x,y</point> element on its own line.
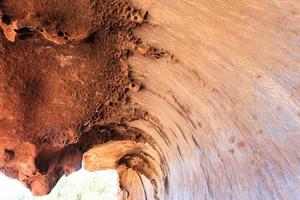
<point>227,113</point>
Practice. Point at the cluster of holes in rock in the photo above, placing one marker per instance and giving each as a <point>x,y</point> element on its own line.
<point>25,32</point>
<point>63,34</point>
<point>129,16</point>
<point>137,16</point>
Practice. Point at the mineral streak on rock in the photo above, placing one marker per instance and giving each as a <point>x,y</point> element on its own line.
<point>63,86</point>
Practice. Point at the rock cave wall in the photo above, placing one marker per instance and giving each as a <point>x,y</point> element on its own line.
<point>189,99</point>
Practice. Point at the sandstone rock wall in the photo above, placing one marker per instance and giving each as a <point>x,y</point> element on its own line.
<point>227,112</point>
<point>187,99</point>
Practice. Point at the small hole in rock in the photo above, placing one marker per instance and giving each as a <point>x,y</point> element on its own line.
<point>91,38</point>
<point>139,136</point>
<point>146,15</point>
<point>80,148</point>
<point>60,34</point>
<point>25,33</point>
<point>9,155</point>
<point>6,19</point>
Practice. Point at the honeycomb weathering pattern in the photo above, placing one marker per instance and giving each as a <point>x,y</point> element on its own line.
<point>64,86</point>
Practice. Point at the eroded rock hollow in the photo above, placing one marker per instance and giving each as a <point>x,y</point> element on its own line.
<point>64,86</point>
<point>196,99</point>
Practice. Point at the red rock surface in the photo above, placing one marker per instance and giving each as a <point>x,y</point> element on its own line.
<point>198,100</point>
<point>63,84</point>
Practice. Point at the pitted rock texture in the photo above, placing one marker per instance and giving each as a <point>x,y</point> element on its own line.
<point>63,84</point>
